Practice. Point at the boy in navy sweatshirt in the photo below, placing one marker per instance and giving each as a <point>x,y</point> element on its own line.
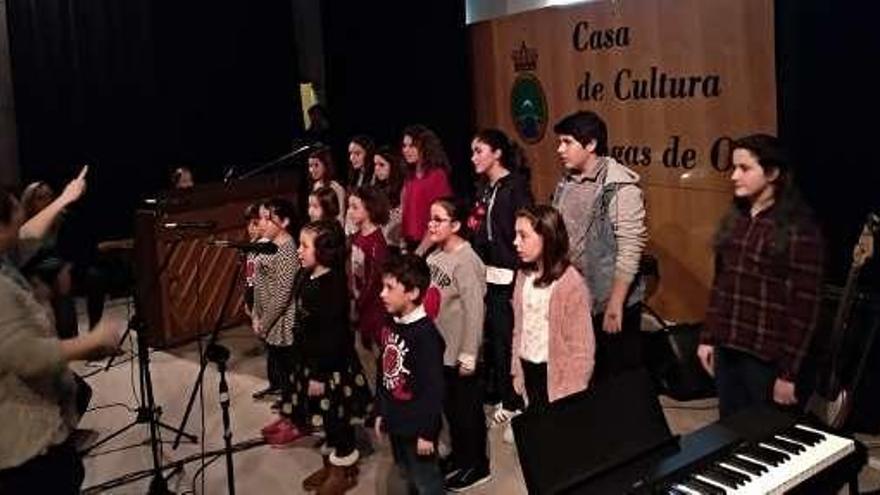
<point>410,383</point>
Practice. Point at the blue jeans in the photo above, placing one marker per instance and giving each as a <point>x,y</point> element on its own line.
<point>422,472</point>
<point>742,380</point>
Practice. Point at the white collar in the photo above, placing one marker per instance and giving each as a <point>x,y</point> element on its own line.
<point>413,316</point>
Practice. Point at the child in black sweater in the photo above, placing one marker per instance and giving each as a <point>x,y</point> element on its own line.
<point>410,385</point>
<point>331,383</point>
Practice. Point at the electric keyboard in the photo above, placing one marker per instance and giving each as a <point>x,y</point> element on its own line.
<point>759,451</point>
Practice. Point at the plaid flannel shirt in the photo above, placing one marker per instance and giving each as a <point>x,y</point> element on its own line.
<point>763,301</point>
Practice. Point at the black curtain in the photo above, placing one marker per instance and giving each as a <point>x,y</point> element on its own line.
<point>390,64</point>
<point>825,53</point>
<point>134,87</point>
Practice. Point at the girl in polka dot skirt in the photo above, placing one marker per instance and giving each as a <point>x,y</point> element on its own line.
<point>330,389</point>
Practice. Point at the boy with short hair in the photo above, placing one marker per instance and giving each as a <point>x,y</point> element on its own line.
<point>410,384</point>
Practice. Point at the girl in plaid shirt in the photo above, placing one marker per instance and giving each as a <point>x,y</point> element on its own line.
<point>765,296</point>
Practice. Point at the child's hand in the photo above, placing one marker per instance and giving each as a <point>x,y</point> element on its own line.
<point>424,447</point>
<point>255,324</point>
<point>378,427</point>
<point>519,386</point>
<point>467,365</point>
<point>315,388</point>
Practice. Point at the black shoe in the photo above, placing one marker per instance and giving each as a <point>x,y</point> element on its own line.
<point>266,392</point>
<point>448,467</point>
<point>468,478</point>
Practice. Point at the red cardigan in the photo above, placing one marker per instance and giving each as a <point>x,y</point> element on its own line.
<point>571,348</point>
<point>416,198</point>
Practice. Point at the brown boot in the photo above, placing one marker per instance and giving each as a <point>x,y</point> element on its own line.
<point>340,480</point>
<point>316,479</point>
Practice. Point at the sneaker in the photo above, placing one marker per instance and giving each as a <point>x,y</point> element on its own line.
<point>285,435</point>
<point>468,478</point>
<point>507,436</point>
<point>83,439</point>
<point>265,393</point>
<point>448,467</point>
<point>272,428</point>
<point>502,416</point>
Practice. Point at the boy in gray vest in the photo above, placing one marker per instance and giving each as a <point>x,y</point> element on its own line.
<point>604,211</point>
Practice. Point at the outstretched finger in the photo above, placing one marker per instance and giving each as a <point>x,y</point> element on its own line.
<point>83,172</point>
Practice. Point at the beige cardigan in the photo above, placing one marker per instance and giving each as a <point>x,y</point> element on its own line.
<point>571,346</point>
<point>37,390</point>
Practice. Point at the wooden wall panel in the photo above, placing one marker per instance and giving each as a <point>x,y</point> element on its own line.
<point>182,280</point>
<point>728,39</point>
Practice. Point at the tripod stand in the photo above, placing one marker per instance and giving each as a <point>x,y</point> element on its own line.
<point>147,411</point>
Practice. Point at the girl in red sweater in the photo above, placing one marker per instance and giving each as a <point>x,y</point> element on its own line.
<point>367,211</point>
<point>427,180</point>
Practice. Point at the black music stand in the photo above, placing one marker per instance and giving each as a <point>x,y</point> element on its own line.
<point>583,436</point>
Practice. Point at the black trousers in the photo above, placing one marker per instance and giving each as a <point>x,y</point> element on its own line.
<point>535,378</point>
<point>279,366</point>
<point>59,472</point>
<point>742,381</point>
<point>498,344</point>
<point>618,352</point>
<point>467,421</point>
<point>66,321</point>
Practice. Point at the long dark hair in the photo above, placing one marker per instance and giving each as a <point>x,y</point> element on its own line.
<point>548,224</point>
<point>324,155</point>
<point>513,157</point>
<point>394,184</point>
<point>430,149</point>
<point>789,210</point>
<point>375,202</point>
<point>354,176</point>
<point>328,200</point>
<point>457,211</point>
<point>283,209</point>
<point>7,205</point>
<point>329,242</point>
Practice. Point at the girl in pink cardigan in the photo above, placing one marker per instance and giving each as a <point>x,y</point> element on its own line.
<point>553,343</point>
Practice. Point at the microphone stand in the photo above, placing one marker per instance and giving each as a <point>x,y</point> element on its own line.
<point>212,343</point>
<point>218,355</point>
<point>148,412</point>
<point>273,163</point>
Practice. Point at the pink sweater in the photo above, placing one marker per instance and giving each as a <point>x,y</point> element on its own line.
<point>571,346</point>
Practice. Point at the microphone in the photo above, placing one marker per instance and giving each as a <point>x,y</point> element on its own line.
<point>229,174</point>
<point>248,247</point>
<point>209,224</point>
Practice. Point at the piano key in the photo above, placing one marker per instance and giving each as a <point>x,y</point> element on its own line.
<point>761,455</point>
<point>677,490</point>
<point>791,448</point>
<point>746,465</point>
<point>781,478</point>
<point>741,478</point>
<point>808,432</point>
<point>770,451</point>
<point>786,435</point>
<point>800,436</point>
<point>683,489</point>
<point>704,486</point>
<point>777,450</point>
<point>719,478</point>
